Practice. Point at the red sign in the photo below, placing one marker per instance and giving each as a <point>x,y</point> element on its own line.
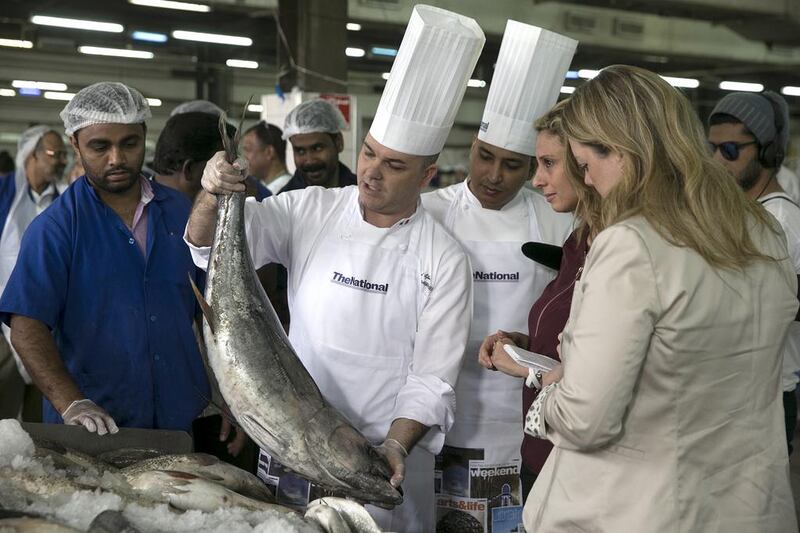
<point>341,101</point>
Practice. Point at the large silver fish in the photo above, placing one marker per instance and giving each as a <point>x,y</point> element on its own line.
<point>210,468</point>
<point>269,391</point>
<point>190,492</point>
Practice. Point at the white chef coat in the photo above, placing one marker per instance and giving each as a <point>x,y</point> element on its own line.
<point>506,283</point>
<point>380,318</point>
<point>783,208</point>
<point>510,223</point>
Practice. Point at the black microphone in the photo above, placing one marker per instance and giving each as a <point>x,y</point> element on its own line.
<point>544,254</point>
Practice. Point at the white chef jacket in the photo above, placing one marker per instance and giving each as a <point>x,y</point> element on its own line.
<point>783,208</point>
<point>287,229</point>
<point>509,223</point>
<point>488,418</point>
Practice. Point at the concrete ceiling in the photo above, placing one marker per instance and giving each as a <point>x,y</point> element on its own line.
<point>711,40</point>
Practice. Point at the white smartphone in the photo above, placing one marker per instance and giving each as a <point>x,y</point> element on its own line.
<point>531,359</point>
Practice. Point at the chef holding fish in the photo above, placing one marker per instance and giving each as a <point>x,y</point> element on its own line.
<point>380,295</point>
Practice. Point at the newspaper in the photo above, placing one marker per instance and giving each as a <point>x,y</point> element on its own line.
<point>474,496</point>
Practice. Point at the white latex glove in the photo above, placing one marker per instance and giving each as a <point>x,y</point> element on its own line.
<point>395,454</point>
<point>88,414</point>
<point>221,177</point>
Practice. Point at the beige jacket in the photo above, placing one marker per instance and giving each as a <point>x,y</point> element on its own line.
<point>669,416</point>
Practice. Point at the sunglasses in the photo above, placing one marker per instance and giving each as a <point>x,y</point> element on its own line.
<point>728,149</point>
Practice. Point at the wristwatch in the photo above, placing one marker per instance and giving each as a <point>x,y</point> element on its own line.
<point>534,379</point>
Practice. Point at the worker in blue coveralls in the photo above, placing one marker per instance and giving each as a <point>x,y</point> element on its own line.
<point>99,302</point>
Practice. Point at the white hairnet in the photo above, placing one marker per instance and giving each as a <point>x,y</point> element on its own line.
<point>314,116</point>
<point>27,143</point>
<point>197,106</point>
<point>106,102</point>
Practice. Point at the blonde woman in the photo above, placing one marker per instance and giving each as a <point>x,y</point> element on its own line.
<point>666,414</point>
<point>551,310</point>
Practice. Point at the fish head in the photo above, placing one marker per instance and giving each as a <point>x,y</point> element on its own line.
<point>346,455</point>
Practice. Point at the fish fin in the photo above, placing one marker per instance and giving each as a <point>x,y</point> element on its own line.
<point>211,477</point>
<point>263,436</point>
<point>179,475</point>
<point>204,307</point>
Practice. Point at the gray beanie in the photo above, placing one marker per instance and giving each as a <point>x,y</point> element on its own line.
<point>758,115</point>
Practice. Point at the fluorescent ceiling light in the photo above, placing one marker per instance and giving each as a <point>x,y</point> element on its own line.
<point>30,91</point>
<point>354,52</point>
<point>154,102</point>
<point>791,91</point>
<point>385,75</point>
<point>9,137</point>
<point>8,92</point>
<point>655,59</point>
<point>150,37</point>
<point>212,38</point>
<point>383,51</point>
<point>43,85</point>
<point>566,89</point>
<point>241,63</point>
<point>16,43</point>
<point>255,108</point>
<point>741,86</point>
<point>587,74</point>
<point>169,4</point>
<point>77,24</point>
<point>353,26</point>
<point>52,95</point>
<point>115,52</point>
<point>688,83</point>
<point>476,83</point>
<point>572,75</point>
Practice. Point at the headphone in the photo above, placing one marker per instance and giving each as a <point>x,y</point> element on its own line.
<point>771,154</point>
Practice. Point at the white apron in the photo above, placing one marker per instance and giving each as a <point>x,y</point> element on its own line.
<point>354,320</point>
<point>481,457</point>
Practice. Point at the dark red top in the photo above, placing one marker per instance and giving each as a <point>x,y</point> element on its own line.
<point>546,320</point>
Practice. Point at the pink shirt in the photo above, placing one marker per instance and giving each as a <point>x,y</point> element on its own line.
<point>139,227</point>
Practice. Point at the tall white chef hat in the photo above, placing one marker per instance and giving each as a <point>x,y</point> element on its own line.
<point>427,81</point>
<point>529,73</point>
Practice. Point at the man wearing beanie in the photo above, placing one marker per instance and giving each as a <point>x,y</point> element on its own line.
<point>381,295</point>
<point>749,134</point>
<point>99,302</point>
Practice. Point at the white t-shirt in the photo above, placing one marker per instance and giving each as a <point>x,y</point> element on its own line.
<point>788,215</point>
<point>790,183</point>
